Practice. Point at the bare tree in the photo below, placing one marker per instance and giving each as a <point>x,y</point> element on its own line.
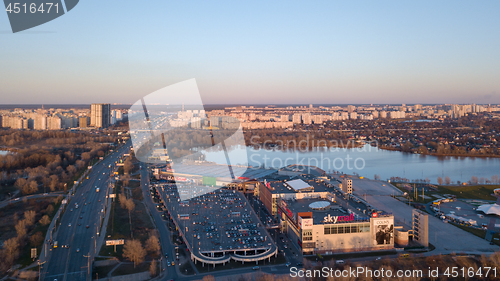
<point>21,228</point>
<point>86,156</point>
<point>474,180</point>
<point>153,244</point>
<point>29,216</point>
<point>129,204</point>
<point>45,220</point>
<point>127,166</point>
<point>20,183</point>
<point>71,169</point>
<point>36,239</point>
<point>126,180</point>
<point>152,268</point>
<point>447,180</point>
<point>123,200</point>
<point>134,251</point>
<point>49,210</point>
<point>33,187</point>
<point>10,252</point>
<point>54,182</point>
<point>440,180</point>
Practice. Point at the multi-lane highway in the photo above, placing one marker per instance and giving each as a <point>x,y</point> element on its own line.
<point>165,234</point>
<point>77,233</point>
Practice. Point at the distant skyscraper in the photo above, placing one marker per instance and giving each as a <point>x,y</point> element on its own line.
<point>100,115</point>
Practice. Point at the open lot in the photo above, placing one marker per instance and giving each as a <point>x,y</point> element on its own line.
<point>465,210</point>
<point>446,237</point>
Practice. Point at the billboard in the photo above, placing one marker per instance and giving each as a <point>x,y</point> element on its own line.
<point>382,231</point>
<point>305,223</point>
<point>115,242</point>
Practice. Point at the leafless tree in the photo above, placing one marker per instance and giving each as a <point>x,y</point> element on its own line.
<point>447,180</point>
<point>29,216</point>
<point>133,251</point>
<point>127,166</point>
<point>153,244</point>
<point>49,210</point>
<point>45,220</point>
<point>21,229</point>
<point>129,204</point>
<point>10,252</point>
<point>474,180</point>
<point>36,239</point>
<point>440,180</point>
<point>152,268</point>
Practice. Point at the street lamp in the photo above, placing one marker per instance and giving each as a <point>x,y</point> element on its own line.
<point>39,266</point>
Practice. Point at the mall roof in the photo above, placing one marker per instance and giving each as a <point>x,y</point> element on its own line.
<point>298,184</point>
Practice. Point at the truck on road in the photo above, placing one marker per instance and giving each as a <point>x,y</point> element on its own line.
<point>97,189</point>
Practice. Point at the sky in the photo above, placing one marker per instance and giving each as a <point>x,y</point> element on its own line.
<point>258,52</point>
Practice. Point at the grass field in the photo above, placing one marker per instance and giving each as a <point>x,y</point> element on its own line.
<point>470,191</point>
<point>119,225</point>
<point>462,192</point>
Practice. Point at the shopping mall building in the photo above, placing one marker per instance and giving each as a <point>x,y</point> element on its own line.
<point>321,218</point>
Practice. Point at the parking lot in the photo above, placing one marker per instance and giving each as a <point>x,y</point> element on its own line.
<point>216,222</point>
<point>465,211</point>
<point>444,236</point>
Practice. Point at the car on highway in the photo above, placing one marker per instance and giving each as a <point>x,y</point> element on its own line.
<point>288,264</point>
<point>339,262</point>
<point>87,226</point>
<point>69,224</point>
<point>168,263</point>
<point>379,258</point>
<point>256,268</point>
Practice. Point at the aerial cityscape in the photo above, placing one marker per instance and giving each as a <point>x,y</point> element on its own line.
<point>91,200</point>
<point>249,141</point>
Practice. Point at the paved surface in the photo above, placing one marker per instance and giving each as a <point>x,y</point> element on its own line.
<point>165,234</point>
<point>445,237</point>
<point>34,196</point>
<point>72,263</point>
<point>466,211</point>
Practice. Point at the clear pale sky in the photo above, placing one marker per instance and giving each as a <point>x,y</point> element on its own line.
<point>258,52</point>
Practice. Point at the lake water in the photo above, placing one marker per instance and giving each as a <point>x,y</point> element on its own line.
<point>368,161</point>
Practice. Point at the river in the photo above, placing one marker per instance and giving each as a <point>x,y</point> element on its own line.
<point>368,161</point>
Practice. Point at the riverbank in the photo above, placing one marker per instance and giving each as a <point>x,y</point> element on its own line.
<point>439,154</point>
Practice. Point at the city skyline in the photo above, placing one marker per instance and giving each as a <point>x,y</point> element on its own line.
<point>366,52</point>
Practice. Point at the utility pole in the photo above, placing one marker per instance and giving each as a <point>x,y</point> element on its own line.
<point>39,266</point>
<point>88,263</point>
